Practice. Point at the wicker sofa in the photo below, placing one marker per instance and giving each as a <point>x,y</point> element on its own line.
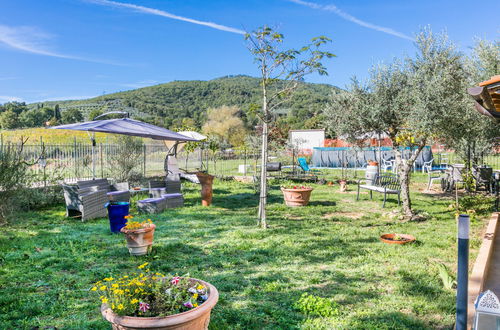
<point>118,192</point>
<point>87,202</point>
<point>87,198</point>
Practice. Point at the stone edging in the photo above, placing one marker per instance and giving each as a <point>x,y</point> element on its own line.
<point>479,272</point>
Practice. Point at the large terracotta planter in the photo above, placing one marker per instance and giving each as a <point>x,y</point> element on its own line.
<point>139,241</point>
<point>206,181</point>
<point>195,319</point>
<point>297,197</point>
<point>389,238</point>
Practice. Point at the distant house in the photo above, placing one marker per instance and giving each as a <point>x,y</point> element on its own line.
<point>307,139</point>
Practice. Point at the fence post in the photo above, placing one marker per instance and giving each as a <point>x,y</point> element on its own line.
<point>462,271</point>
<point>101,160</point>
<point>144,158</point>
<point>75,157</point>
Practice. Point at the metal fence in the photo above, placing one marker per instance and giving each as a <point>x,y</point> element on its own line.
<point>74,161</point>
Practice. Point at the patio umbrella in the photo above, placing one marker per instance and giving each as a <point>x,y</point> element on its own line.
<point>124,126</point>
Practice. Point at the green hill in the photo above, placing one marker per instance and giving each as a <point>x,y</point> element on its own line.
<point>168,104</point>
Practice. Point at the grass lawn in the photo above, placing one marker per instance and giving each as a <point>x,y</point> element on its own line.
<point>329,249</point>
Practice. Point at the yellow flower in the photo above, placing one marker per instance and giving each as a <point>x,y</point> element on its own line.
<point>195,296</point>
<point>128,217</point>
<point>109,279</point>
<point>104,300</point>
<point>143,265</point>
<point>112,306</point>
<point>120,307</point>
<point>102,288</point>
<point>195,305</point>
<point>134,301</point>
<point>94,288</point>
<point>114,285</point>
<point>199,287</point>
<point>136,291</point>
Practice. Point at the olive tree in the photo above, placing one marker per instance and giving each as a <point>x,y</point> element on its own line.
<point>280,74</point>
<point>474,136</point>
<point>413,101</point>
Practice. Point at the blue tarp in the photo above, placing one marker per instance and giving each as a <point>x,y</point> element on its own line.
<point>349,157</point>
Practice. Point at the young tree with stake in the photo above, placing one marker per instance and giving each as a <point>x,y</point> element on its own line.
<point>280,72</point>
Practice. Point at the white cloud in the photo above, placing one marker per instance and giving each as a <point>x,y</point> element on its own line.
<point>158,12</point>
<point>33,40</point>
<point>334,9</point>
<point>5,99</point>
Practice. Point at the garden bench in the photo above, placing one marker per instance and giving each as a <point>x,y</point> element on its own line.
<point>382,183</point>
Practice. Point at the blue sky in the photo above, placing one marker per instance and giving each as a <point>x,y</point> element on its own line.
<point>68,49</point>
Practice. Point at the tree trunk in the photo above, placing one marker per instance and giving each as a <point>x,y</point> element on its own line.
<point>404,167</point>
<point>263,163</point>
<point>263,178</point>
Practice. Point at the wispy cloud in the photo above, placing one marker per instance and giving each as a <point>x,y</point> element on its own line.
<point>8,78</point>
<point>158,12</point>
<point>33,40</point>
<point>334,9</point>
<point>5,99</point>
<point>140,84</point>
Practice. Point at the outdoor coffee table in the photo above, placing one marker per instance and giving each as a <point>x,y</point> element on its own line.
<point>141,190</point>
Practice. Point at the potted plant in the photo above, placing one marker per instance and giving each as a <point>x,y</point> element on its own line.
<point>372,163</point>
<point>296,195</point>
<point>397,238</point>
<point>151,300</point>
<point>139,236</point>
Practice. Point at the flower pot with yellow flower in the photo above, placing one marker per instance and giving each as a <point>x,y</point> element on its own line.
<point>139,236</point>
<point>149,300</point>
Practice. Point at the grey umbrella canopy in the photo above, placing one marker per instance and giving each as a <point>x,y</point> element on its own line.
<point>127,126</point>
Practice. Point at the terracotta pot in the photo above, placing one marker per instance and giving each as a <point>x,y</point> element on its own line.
<point>389,238</point>
<point>195,319</point>
<point>139,241</point>
<point>297,197</point>
<point>373,163</point>
<point>206,181</point>
<point>343,185</point>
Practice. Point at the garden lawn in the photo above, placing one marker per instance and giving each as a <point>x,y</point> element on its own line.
<point>329,249</point>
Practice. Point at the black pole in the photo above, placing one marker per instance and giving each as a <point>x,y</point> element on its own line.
<point>462,271</point>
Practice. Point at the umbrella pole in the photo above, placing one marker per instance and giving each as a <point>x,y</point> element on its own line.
<point>93,155</point>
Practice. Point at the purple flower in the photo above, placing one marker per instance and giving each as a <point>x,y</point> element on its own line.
<point>192,290</point>
<point>188,304</point>
<point>204,297</point>
<point>143,307</point>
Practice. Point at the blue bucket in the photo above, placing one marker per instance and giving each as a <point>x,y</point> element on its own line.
<point>116,213</point>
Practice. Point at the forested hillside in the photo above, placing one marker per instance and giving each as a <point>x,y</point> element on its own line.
<point>169,104</point>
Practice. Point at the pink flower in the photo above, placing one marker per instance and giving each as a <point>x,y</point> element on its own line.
<point>188,304</point>
<point>143,307</point>
<point>175,280</point>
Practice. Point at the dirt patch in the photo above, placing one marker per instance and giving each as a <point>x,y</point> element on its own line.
<point>350,215</point>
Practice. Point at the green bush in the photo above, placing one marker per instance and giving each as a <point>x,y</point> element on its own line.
<point>317,306</point>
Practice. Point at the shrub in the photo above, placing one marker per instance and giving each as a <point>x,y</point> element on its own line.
<point>14,177</point>
<point>317,306</point>
<point>127,159</point>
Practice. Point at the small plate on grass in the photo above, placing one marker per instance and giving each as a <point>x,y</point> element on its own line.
<point>397,238</point>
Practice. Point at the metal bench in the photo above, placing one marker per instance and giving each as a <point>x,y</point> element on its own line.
<point>383,183</point>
